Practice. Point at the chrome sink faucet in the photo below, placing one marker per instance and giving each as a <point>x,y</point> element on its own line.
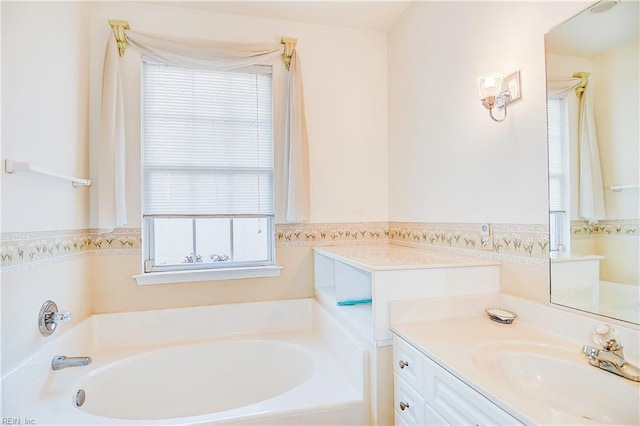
<point>60,361</point>
<point>610,358</point>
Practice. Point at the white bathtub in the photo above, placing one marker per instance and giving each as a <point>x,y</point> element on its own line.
<point>282,362</point>
<point>616,300</point>
<point>620,300</point>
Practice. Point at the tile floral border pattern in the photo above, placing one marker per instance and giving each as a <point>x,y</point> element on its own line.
<point>508,243</point>
<point>615,229</point>
<point>326,234</point>
<point>22,251</point>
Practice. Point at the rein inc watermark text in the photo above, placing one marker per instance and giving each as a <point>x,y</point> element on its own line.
<point>17,421</point>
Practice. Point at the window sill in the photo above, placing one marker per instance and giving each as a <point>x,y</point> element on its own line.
<point>172,277</point>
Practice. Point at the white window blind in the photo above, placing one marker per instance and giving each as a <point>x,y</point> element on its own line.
<point>208,141</point>
<point>558,175</point>
<point>557,169</point>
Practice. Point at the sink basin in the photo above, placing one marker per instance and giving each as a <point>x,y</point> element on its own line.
<point>561,382</point>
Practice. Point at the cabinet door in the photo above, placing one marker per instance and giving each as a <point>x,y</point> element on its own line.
<point>399,420</point>
<point>432,417</point>
<point>407,363</point>
<point>409,405</point>
<point>457,402</point>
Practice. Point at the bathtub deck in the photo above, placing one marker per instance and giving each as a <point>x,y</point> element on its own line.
<point>327,397</point>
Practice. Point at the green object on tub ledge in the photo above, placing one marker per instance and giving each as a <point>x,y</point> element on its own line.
<point>354,302</point>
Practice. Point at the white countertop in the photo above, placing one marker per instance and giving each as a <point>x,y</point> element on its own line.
<point>451,343</point>
<point>465,347</point>
<point>392,257</point>
<point>567,257</point>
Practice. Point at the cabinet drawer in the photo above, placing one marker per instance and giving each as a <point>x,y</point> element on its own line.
<point>408,404</point>
<point>458,403</point>
<point>407,363</point>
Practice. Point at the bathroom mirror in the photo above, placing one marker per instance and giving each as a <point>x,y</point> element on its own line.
<point>594,158</point>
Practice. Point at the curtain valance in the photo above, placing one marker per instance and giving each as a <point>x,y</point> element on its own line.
<point>558,86</point>
<point>197,53</point>
<point>203,53</point>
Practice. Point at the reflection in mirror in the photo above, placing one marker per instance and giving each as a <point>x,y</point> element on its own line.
<point>594,156</point>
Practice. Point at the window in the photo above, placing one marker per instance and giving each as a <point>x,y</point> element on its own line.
<point>207,168</point>
<point>559,226</point>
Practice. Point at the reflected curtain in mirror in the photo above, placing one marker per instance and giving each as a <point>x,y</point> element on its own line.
<point>595,259</point>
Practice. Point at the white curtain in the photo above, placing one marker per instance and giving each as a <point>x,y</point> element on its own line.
<point>591,186</point>
<point>558,86</point>
<point>296,155</point>
<point>110,185</point>
<point>197,53</point>
<point>591,190</point>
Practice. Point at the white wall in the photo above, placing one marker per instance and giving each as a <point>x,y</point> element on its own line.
<point>617,112</point>
<point>448,161</point>
<point>616,97</point>
<point>445,160</point>
<point>44,121</point>
<point>345,75</point>
<point>345,86</point>
<point>44,113</point>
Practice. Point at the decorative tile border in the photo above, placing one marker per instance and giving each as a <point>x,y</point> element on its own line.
<point>527,244</point>
<point>509,243</point>
<point>127,239</point>
<point>22,251</point>
<point>328,234</point>
<point>628,229</point>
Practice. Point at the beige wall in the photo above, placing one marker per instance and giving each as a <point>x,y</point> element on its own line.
<point>44,113</point>
<point>616,100</point>
<point>345,101</point>
<point>441,159</point>
<point>448,161</point>
<point>620,264</point>
<point>65,283</point>
<point>113,289</point>
<point>617,113</point>
<point>345,87</point>
<point>44,121</point>
<point>462,166</point>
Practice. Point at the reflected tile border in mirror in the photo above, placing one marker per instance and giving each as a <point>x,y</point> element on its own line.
<point>619,229</point>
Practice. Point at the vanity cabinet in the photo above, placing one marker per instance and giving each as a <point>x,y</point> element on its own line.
<point>427,394</point>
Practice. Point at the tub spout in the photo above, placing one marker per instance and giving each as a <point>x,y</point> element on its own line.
<point>60,361</point>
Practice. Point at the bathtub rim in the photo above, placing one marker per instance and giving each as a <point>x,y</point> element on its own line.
<point>81,336</point>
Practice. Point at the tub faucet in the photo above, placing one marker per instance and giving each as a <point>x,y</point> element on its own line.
<point>60,361</point>
<point>610,358</point>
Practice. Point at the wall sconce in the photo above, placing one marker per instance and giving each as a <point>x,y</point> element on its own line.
<point>498,92</point>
